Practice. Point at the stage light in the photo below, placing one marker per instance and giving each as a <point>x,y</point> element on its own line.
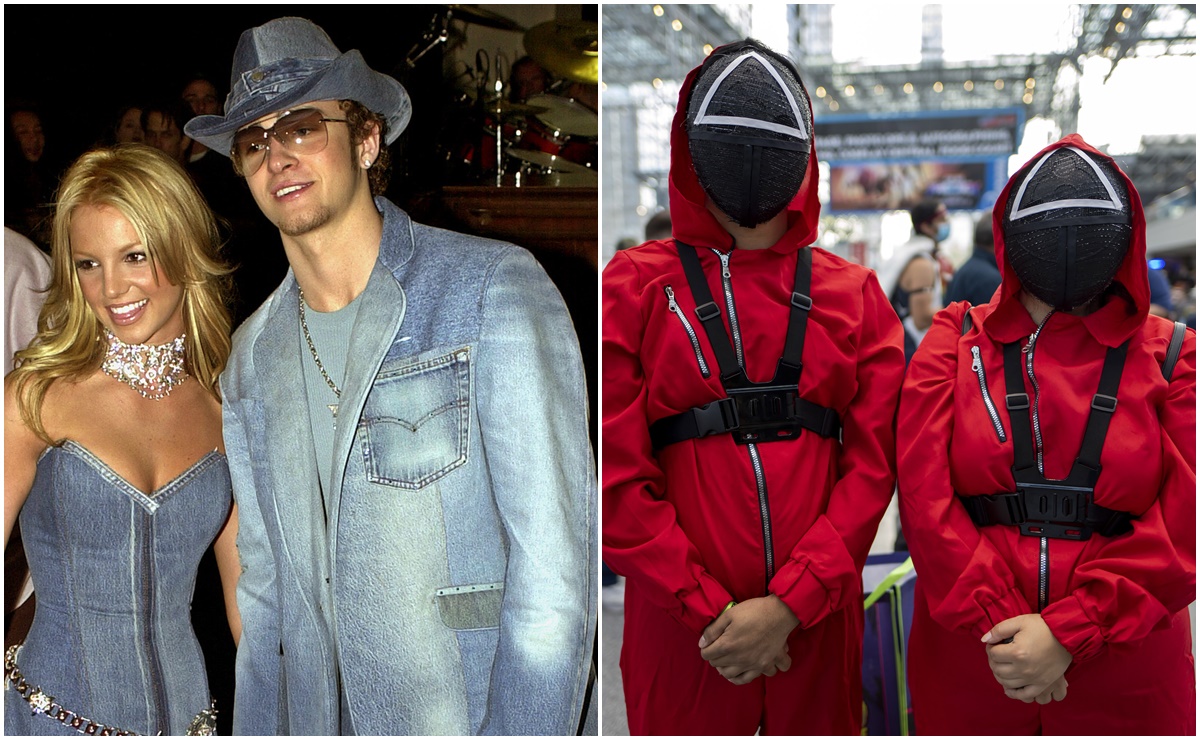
<point>658,10</point>
<point>908,88</point>
<point>708,49</point>
<point>937,87</point>
<point>677,24</point>
<point>999,84</point>
<point>968,86</point>
<point>849,91</point>
<point>820,91</point>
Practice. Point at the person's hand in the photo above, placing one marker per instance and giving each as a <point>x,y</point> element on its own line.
<point>1056,692</point>
<point>1031,663</point>
<point>750,639</point>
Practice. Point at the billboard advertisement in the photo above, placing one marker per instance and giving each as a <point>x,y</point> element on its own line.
<point>889,162</point>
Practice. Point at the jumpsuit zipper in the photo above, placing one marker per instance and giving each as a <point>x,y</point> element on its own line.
<point>764,508</point>
<point>727,283</point>
<point>160,710</point>
<point>977,367</point>
<point>687,326</point>
<point>760,477</point>
<point>1044,552</point>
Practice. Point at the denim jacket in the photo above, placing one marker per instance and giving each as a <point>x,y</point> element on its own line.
<point>452,589</point>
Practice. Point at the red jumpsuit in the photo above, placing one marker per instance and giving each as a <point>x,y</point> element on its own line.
<point>688,526</point>
<point>1117,604</point>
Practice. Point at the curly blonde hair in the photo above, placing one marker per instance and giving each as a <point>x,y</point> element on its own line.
<point>179,232</point>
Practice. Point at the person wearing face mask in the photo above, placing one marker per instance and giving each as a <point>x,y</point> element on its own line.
<point>750,383</point>
<point>1047,482</point>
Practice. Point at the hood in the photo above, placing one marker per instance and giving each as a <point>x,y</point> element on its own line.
<point>1126,301</point>
<point>691,221</point>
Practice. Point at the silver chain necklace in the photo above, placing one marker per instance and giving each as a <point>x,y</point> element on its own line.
<point>333,407</point>
<point>151,370</point>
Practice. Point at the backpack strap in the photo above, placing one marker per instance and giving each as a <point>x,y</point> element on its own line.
<point>1173,349</point>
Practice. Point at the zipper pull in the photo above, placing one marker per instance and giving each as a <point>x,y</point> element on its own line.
<point>724,264</point>
<point>671,304</point>
<point>976,360</point>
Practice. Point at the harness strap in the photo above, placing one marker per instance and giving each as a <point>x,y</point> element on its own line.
<point>1064,514</point>
<point>721,417</point>
<point>754,412</point>
<point>1017,403</point>
<point>1104,403</point>
<point>709,314</point>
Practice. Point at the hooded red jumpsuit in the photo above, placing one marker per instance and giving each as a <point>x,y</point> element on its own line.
<point>688,525</point>
<point>1117,604</point>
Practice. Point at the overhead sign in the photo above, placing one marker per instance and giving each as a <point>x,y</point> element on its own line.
<point>890,162</point>
<point>979,134</point>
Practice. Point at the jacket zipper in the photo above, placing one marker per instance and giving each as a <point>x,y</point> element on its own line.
<point>162,717</point>
<point>1044,553</point>
<point>727,283</point>
<point>977,366</point>
<point>687,326</point>
<point>760,477</point>
<point>764,509</point>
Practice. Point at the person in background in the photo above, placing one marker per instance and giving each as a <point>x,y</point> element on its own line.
<point>163,123</point>
<point>979,276</point>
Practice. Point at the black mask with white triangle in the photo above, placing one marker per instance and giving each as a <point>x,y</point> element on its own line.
<point>1067,227</point>
<point>749,132</point>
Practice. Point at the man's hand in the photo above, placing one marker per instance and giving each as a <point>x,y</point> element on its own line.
<point>1031,666</point>
<point>750,639</point>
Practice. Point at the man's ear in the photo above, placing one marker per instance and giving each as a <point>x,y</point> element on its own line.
<point>368,149</point>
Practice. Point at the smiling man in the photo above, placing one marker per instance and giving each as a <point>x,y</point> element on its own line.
<point>406,424</point>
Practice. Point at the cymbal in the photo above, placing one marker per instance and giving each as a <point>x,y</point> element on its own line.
<point>569,49</point>
<point>483,17</point>
<point>505,108</point>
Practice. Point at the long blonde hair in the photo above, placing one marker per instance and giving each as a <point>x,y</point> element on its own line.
<point>179,232</point>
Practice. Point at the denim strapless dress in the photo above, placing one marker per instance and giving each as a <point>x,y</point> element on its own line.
<point>114,569</point>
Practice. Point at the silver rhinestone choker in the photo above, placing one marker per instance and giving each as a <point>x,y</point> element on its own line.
<point>151,370</point>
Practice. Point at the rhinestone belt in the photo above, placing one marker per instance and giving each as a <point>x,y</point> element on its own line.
<point>204,723</point>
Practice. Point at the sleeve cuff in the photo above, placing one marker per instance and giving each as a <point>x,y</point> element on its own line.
<point>1010,604</point>
<point>1072,628</point>
<point>703,604</point>
<point>804,594</point>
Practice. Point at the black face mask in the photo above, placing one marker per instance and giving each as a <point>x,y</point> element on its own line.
<point>1067,227</point>
<point>749,132</point>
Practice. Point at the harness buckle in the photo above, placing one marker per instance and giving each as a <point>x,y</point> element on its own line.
<point>1016,401</point>
<point>1055,511</point>
<point>717,417</point>
<point>706,311</point>
<point>1101,402</point>
<point>801,301</point>
<point>765,414</point>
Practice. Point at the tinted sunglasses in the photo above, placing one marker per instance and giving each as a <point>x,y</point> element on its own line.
<point>299,132</point>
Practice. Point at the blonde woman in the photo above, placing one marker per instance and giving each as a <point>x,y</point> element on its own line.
<point>113,455</point>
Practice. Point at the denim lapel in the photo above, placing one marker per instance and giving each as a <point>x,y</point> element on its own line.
<point>295,486</point>
<point>379,320</point>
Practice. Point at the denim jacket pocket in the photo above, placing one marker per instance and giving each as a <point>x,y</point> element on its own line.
<point>474,607</point>
<point>415,421</point>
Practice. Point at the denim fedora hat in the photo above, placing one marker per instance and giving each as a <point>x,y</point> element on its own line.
<point>289,61</point>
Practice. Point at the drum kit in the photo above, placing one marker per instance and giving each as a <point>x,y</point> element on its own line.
<point>547,137</point>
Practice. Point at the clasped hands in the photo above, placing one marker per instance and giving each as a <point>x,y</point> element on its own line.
<point>749,639</point>
<point>1030,667</point>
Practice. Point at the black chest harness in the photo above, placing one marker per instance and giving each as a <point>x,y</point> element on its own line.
<point>752,412</point>
<point>1059,509</point>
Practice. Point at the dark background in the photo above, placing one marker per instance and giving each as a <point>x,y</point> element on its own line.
<point>80,64</point>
